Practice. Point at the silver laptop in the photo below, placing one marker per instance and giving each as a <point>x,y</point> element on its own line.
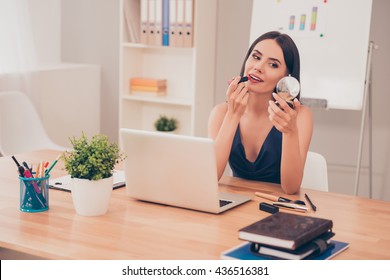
<point>174,170</point>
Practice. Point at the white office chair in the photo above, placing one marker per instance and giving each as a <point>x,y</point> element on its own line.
<point>21,129</point>
<point>315,174</point>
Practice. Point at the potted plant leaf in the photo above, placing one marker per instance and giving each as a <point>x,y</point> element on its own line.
<point>163,123</point>
<point>91,165</point>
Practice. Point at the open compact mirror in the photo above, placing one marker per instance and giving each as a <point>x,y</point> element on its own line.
<point>288,88</point>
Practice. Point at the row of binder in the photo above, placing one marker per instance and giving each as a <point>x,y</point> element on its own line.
<point>160,22</point>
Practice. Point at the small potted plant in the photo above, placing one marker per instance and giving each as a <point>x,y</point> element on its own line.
<point>91,165</point>
<point>163,123</point>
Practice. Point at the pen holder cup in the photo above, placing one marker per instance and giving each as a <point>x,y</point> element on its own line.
<point>34,194</point>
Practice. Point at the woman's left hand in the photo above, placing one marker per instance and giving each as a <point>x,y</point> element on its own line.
<point>283,117</point>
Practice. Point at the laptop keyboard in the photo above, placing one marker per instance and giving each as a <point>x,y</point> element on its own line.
<point>224,202</point>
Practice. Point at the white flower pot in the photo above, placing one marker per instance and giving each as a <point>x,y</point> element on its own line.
<point>91,198</point>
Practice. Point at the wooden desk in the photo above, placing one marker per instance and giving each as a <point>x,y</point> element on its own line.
<point>139,230</point>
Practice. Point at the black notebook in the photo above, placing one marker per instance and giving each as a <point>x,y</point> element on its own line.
<point>243,252</point>
<point>285,230</point>
<point>312,248</point>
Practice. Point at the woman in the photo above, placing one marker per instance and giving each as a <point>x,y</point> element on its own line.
<point>262,140</point>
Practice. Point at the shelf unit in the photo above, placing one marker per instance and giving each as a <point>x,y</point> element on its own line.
<point>190,75</point>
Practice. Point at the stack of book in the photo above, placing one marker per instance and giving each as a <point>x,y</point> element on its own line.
<point>148,86</point>
<point>287,236</point>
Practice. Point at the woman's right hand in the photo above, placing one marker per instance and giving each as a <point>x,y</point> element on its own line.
<point>237,96</point>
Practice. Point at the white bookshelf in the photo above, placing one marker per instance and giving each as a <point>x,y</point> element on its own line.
<point>190,75</point>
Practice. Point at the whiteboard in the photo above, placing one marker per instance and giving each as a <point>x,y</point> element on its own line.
<point>333,39</point>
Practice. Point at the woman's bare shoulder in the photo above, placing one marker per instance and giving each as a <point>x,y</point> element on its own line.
<point>220,109</point>
<point>305,117</point>
<point>305,111</point>
<point>216,118</point>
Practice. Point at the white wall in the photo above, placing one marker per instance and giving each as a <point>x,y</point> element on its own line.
<point>90,34</point>
<point>234,19</point>
<point>46,26</point>
<point>59,92</point>
<point>381,98</point>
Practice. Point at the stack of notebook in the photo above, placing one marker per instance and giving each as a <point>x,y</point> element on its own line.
<point>287,236</point>
<point>148,86</point>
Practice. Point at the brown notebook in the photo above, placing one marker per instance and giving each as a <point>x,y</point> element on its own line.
<point>285,230</point>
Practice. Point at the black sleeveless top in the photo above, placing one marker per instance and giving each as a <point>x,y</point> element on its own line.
<point>266,167</point>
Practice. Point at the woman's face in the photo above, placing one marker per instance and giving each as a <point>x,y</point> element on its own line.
<point>265,66</point>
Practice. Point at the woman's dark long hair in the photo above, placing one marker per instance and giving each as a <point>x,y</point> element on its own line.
<point>290,53</point>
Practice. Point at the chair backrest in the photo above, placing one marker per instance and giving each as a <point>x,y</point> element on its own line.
<point>21,129</point>
<point>315,174</point>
